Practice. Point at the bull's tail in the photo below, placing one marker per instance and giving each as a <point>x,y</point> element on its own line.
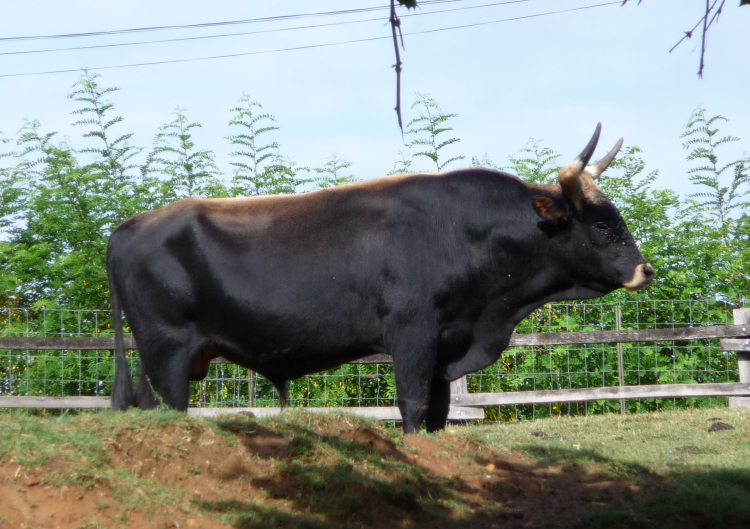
<point>122,389</point>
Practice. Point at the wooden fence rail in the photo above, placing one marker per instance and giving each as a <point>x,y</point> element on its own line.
<point>465,405</point>
<point>517,340</point>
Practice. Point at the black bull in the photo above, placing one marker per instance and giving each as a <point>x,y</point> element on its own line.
<point>435,269</point>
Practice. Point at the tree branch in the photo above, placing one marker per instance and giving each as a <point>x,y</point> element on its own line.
<point>396,23</point>
<point>703,40</point>
<point>706,26</point>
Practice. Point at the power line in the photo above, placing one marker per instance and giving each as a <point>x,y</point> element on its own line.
<point>213,24</point>
<point>379,19</point>
<point>311,46</point>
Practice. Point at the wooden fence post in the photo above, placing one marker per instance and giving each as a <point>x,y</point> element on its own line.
<point>620,360</point>
<point>460,387</point>
<point>742,317</point>
<point>250,388</point>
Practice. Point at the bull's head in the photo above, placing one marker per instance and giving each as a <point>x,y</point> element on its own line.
<point>604,255</point>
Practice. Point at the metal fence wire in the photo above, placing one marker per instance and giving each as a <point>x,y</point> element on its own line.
<point>90,373</point>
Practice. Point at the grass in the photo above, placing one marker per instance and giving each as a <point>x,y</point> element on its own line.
<point>654,442</point>
<point>305,471</point>
<point>690,475</point>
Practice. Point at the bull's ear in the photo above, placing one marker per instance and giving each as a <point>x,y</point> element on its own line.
<point>550,209</point>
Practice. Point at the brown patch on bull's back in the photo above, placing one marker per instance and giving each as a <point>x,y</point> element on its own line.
<point>244,207</point>
<point>264,209</point>
<point>304,203</point>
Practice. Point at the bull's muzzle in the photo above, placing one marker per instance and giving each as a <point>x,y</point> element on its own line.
<point>644,274</point>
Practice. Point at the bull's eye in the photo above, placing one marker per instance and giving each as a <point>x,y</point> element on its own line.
<point>602,233</point>
<point>599,233</point>
<point>606,233</point>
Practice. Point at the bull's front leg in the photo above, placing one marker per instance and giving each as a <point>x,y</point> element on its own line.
<point>414,350</point>
<point>439,406</point>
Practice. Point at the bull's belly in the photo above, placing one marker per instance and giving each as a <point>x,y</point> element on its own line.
<point>288,327</point>
<point>292,361</point>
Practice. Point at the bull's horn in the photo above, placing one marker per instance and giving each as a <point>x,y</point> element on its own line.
<point>570,173</point>
<point>594,171</point>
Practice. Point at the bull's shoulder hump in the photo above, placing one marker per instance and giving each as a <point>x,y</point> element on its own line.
<point>159,215</point>
<point>512,180</point>
<point>242,207</point>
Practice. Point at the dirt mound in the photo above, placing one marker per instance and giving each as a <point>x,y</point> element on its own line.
<point>299,471</point>
<point>26,501</point>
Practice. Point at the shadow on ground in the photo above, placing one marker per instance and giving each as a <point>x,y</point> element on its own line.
<point>330,473</point>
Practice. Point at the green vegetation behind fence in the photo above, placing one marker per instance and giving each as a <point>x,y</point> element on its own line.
<point>90,373</point>
<point>60,199</point>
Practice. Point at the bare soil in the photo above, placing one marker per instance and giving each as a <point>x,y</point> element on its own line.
<point>332,471</point>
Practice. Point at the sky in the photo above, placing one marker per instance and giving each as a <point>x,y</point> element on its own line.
<point>550,77</point>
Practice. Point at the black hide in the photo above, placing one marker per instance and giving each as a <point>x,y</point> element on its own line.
<point>436,270</point>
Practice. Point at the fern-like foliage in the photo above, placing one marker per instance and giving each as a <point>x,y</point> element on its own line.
<point>632,191</point>
<point>35,149</point>
<point>535,164</point>
<point>331,174</point>
<point>112,154</point>
<point>724,195</point>
<point>190,172</point>
<point>485,161</point>
<point>255,123</point>
<point>403,165</point>
<point>259,169</point>
<point>16,179</point>
<point>429,126</point>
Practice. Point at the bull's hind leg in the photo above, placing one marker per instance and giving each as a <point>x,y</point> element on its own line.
<point>166,369</point>
<point>440,402</point>
<point>144,395</point>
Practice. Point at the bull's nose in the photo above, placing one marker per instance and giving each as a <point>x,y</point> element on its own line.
<point>642,276</point>
<point>648,271</point>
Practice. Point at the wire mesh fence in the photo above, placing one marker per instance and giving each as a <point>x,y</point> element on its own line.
<point>90,373</point>
<point>55,373</point>
<point>596,365</point>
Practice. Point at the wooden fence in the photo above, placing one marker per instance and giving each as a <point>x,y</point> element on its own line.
<point>464,405</point>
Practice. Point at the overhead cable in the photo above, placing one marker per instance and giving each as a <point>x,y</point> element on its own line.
<point>379,19</point>
<point>311,46</point>
<point>212,24</point>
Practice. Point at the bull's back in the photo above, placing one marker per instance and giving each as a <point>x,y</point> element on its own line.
<point>250,273</point>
